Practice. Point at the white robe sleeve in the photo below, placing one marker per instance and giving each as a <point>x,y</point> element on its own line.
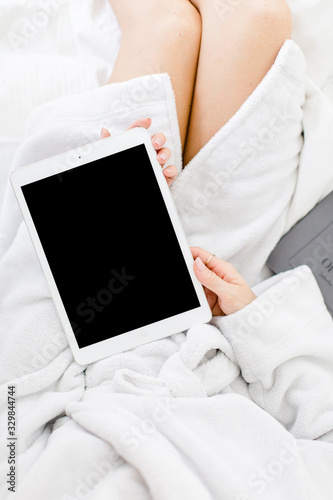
<point>283,342</point>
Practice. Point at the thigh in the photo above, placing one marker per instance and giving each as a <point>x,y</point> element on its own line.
<point>160,36</point>
<point>240,41</point>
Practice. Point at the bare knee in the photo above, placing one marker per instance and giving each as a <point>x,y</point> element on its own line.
<point>165,19</point>
<point>272,18</point>
<point>184,21</point>
<point>263,18</point>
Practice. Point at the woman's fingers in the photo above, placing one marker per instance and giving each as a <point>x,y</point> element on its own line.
<point>223,269</point>
<point>170,173</point>
<point>209,279</point>
<point>141,122</point>
<point>231,297</point>
<point>163,155</point>
<point>158,141</point>
<point>105,133</point>
<point>222,279</point>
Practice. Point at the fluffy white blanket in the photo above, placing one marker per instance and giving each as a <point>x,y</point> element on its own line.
<point>240,408</point>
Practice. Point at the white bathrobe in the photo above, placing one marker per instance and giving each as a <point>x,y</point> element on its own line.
<point>238,409</point>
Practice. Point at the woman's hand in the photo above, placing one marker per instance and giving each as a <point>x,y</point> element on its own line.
<point>158,141</point>
<point>226,291</point>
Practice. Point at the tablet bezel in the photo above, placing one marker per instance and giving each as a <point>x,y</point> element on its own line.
<point>74,159</point>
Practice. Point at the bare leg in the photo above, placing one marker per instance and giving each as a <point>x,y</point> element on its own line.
<point>160,36</point>
<point>240,41</point>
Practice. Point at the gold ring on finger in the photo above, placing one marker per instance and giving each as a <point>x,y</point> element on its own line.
<point>209,259</point>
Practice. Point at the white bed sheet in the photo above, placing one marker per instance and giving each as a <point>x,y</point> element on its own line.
<point>53,48</point>
<point>47,53</point>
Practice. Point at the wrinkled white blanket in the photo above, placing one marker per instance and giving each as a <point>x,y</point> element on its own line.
<point>239,409</point>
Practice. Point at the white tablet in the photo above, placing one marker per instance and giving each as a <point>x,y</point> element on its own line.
<point>111,245</point>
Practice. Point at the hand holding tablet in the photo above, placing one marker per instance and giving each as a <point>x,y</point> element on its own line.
<point>91,214</point>
<point>158,141</point>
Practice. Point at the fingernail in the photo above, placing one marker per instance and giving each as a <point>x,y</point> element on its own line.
<point>163,156</point>
<point>200,265</point>
<point>158,141</point>
<point>169,171</point>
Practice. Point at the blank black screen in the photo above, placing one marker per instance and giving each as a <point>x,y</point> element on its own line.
<point>111,246</point>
